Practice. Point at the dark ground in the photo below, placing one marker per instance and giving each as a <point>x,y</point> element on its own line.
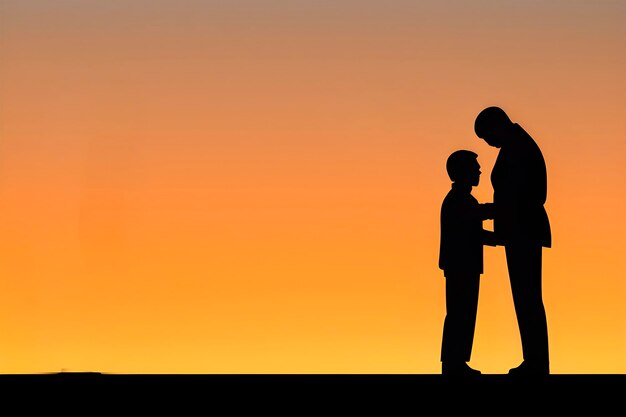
<point>94,394</point>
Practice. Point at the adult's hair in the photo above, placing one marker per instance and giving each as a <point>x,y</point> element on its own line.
<point>490,118</point>
<point>459,164</point>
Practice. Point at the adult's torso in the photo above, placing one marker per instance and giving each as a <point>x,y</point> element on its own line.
<point>519,180</point>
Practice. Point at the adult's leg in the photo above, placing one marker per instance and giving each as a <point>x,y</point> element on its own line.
<point>524,265</point>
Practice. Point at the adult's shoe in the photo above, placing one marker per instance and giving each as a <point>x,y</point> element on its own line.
<point>527,368</point>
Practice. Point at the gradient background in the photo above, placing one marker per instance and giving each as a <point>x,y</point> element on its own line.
<point>254,186</point>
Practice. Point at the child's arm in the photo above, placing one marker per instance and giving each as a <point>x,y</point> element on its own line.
<point>489,238</point>
<point>486,211</point>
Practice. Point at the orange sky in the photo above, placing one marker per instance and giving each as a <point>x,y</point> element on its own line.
<point>254,186</point>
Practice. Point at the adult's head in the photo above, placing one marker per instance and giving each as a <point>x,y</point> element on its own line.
<point>493,126</point>
<point>463,167</point>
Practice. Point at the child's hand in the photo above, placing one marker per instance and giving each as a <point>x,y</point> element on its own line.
<point>487,211</point>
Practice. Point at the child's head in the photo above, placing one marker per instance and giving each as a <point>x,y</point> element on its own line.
<point>463,167</point>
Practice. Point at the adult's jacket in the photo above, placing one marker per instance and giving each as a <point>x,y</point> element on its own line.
<point>519,180</point>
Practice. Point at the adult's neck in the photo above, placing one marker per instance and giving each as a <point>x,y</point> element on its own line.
<point>508,137</point>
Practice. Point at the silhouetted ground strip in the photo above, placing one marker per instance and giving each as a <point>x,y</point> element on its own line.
<point>93,394</point>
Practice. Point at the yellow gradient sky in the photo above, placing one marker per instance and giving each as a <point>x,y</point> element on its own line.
<point>254,186</point>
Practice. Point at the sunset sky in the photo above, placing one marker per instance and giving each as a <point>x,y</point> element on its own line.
<point>253,186</point>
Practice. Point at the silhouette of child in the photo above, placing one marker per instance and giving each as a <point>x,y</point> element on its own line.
<point>461,259</point>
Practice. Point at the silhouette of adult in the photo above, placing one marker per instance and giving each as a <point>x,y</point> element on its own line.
<point>521,225</point>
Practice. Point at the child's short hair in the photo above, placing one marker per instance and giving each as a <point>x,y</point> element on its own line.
<point>459,163</point>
